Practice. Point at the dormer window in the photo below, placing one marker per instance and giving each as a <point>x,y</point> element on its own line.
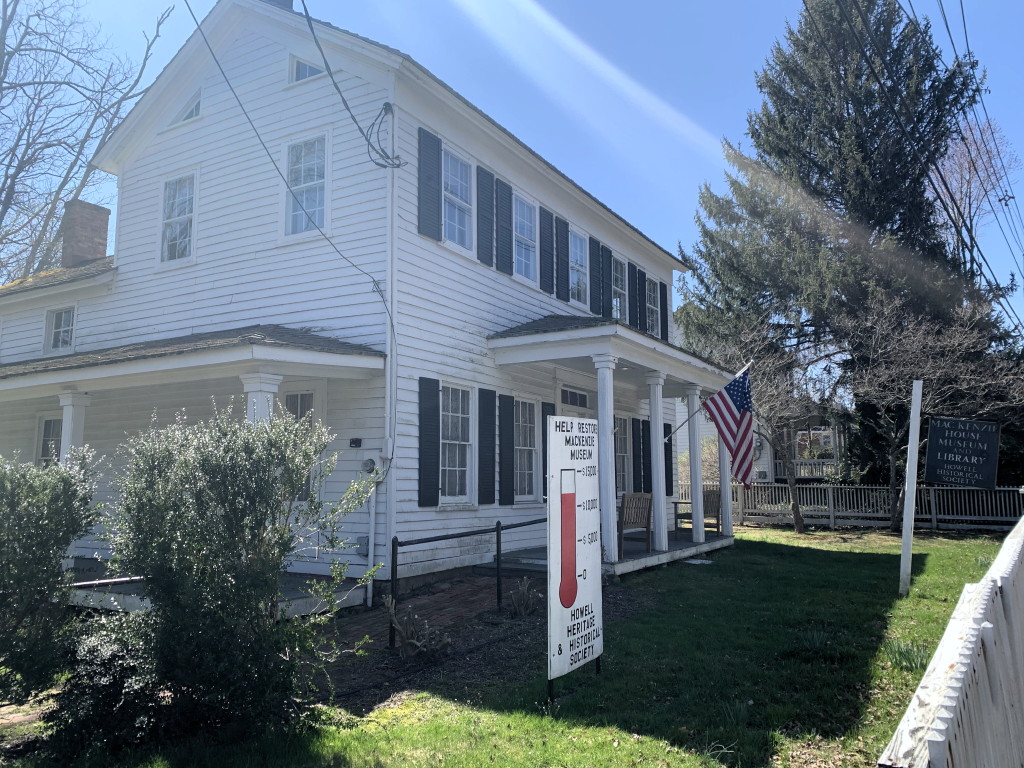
<point>60,329</point>
<point>192,109</point>
<point>303,70</point>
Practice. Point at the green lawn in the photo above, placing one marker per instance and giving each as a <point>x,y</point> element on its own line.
<point>771,656</point>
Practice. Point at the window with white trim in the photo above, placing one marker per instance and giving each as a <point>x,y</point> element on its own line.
<point>622,464</point>
<point>303,70</point>
<point>456,443</point>
<point>192,109</point>
<point>524,224</point>
<point>458,199</point>
<point>653,307</point>
<point>49,443</point>
<point>179,209</point>
<point>525,423</point>
<point>299,404</point>
<point>60,329</point>
<point>579,288</point>
<point>619,308</point>
<point>307,174</point>
<point>574,398</point>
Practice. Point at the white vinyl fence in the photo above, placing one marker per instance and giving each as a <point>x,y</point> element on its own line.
<point>968,711</point>
<point>868,506</point>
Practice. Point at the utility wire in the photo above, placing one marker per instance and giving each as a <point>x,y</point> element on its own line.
<point>1016,224</point>
<point>376,287</point>
<point>993,282</point>
<point>376,152</point>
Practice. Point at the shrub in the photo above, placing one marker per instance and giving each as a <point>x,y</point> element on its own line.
<point>42,511</point>
<point>208,515</point>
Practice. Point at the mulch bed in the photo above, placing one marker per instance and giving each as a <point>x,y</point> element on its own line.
<point>487,648</point>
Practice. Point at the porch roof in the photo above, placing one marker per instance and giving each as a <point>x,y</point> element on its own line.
<point>573,340</point>
<point>266,348</point>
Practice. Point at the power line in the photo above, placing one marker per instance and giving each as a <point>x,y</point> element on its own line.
<point>376,288</point>
<point>993,282</point>
<point>376,152</point>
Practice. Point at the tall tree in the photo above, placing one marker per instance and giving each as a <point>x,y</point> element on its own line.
<point>833,204</point>
<point>62,93</point>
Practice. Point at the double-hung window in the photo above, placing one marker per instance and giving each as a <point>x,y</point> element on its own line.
<point>458,200</point>
<point>525,427</point>
<point>49,444</point>
<point>619,308</point>
<point>653,307</point>
<point>179,209</point>
<point>524,220</point>
<point>622,464</point>
<point>60,329</point>
<point>579,290</point>
<point>307,174</point>
<point>455,443</point>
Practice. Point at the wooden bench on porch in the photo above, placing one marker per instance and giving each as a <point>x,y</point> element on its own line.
<point>635,514</point>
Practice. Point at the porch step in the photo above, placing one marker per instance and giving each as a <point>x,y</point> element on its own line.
<point>530,561</point>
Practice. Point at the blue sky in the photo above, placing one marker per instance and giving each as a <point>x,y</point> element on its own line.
<point>630,99</point>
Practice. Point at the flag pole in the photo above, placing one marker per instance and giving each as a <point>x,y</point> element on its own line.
<point>685,421</point>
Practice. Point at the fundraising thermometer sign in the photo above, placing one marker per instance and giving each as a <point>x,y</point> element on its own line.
<point>575,632</point>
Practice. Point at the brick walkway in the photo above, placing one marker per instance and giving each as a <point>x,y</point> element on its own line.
<point>444,604</point>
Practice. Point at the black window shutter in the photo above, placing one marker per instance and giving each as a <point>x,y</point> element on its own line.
<point>670,465</point>
<point>429,182</point>
<point>594,259</point>
<point>503,226</point>
<point>506,450</point>
<point>663,302</point>
<point>430,442</point>
<point>485,445</point>
<point>641,297</point>
<point>561,259</point>
<point>638,455</point>
<point>546,409</point>
<point>645,431</point>
<point>606,281</point>
<point>547,251</point>
<point>485,216</point>
<point>631,288</point>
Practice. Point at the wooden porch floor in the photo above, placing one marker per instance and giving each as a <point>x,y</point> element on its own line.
<point>635,556</point>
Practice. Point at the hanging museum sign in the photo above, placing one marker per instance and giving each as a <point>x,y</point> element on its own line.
<point>962,452</point>
<point>575,629</point>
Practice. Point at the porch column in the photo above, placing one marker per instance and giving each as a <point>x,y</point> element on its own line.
<point>260,393</point>
<point>605,364</point>
<point>725,486</point>
<point>72,427</point>
<point>696,474</point>
<point>659,517</point>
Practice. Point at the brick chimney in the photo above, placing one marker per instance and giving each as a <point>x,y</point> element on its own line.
<point>83,232</point>
<point>288,5</point>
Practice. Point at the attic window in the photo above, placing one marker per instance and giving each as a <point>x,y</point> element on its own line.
<point>302,70</point>
<point>192,109</point>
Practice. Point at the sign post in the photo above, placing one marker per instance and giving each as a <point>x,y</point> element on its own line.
<point>910,488</point>
<point>575,629</point>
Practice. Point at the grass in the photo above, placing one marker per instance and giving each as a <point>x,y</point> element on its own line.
<point>787,651</point>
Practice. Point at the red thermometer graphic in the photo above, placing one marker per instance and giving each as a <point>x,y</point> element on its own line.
<point>568,588</point>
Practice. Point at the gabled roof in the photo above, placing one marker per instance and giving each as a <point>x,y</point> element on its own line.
<point>104,157</point>
<point>59,276</point>
<point>252,335</point>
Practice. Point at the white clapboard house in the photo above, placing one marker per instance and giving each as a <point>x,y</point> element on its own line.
<point>436,313</point>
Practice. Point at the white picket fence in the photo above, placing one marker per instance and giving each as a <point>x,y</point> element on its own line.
<point>868,506</point>
<point>968,711</point>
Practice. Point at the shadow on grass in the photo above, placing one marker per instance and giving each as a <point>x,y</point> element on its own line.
<point>769,640</point>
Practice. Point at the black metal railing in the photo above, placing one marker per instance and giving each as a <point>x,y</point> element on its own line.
<point>496,530</point>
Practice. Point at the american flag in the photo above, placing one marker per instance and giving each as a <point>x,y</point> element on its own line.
<point>732,411</point>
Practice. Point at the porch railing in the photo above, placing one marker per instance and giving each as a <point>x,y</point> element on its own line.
<point>868,505</point>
